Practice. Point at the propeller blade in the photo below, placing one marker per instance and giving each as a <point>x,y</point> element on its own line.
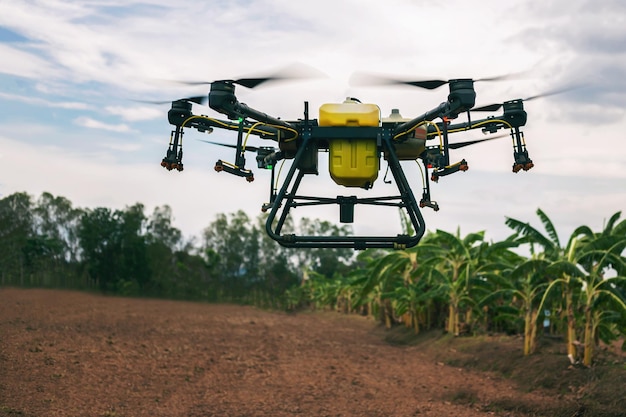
<point>458,145</point>
<point>428,84</point>
<point>153,101</point>
<point>495,107</point>
<point>370,79</point>
<point>202,100</point>
<point>365,79</point>
<point>513,76</point>
<point>489,107</point>
<point>197,99</point>
<point>255,82</point>
<point>291,72</point>
<point>245,82</point>
<point>553,92</point>
<point>228,145</point>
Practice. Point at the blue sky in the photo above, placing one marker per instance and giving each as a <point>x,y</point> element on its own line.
<point>72,72</point>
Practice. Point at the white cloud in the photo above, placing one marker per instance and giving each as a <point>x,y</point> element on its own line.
<point>96,124</point>
<point>24,64</point>
<point>38,101</point>
<point>134,114</point>
<point>122,147</point>
<point>104,53</point>
<point>196,196</point>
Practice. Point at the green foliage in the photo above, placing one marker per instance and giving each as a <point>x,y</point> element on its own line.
<point>462,284</point>
<point>16,228</point>
<point>578,272</point>
<point>247,265</point>
<point>324,261</point>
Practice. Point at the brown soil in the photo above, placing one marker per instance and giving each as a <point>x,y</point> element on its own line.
<point>75,354</point>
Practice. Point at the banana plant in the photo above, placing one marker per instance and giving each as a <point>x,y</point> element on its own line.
<point>387,273</point>
<point>459,268</point>
<point>562,260</point>
<point>579,269</point>
<point>525,285</point>
<point>415,300</point>
<point>601,294</point>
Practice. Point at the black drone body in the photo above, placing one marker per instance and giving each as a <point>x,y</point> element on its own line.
<point>356,137</point>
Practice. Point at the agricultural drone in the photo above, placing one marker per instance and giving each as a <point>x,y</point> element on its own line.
<point>356,138</point>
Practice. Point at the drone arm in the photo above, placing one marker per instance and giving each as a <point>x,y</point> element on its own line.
<point>180,115</point>
<point>247,111</point>
<point>513,117</point>
<point>490,125</point>
<point>205,123</point>
<point>407,127</point>
<point>222,99</point>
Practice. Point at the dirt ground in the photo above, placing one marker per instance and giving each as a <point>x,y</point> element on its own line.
<point>68,353</point>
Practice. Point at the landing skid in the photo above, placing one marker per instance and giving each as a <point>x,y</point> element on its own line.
<point>287,198</point>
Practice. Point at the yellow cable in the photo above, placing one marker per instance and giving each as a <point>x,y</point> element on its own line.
<point>278,175</point>
<point>438,133</point>
<point>484,122</point>
<point>294,131</point>
<point>248,134</point>
<point>406,132</point>
<point>280,169</point>
<point>453,165</point>
<point>422,174</point>
<point>420,124</point>
<point>230,165</point>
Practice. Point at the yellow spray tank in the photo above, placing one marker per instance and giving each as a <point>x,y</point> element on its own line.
<point>353,162</point>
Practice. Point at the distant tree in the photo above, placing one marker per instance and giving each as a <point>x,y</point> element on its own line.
<point>97,233</point>
<point>160,229</point>
<point>56,241</point>
<point>55,218</point>
<point>230,245</point>
<point>16,228</point>
<point>114,248</point>
<point>324,261</point>
<point>276,264</point>
<point>135,271</point>
<point>163,242</point>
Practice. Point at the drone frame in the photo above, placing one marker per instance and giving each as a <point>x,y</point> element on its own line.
<point>302,140</point>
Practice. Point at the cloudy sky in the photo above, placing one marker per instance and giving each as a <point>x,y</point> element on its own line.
<point>72,74</point>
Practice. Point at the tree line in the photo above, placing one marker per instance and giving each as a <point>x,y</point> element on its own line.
<point>47,242</point>
<point>461,284</point>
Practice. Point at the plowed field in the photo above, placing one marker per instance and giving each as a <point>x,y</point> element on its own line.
<point>66,353</point>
